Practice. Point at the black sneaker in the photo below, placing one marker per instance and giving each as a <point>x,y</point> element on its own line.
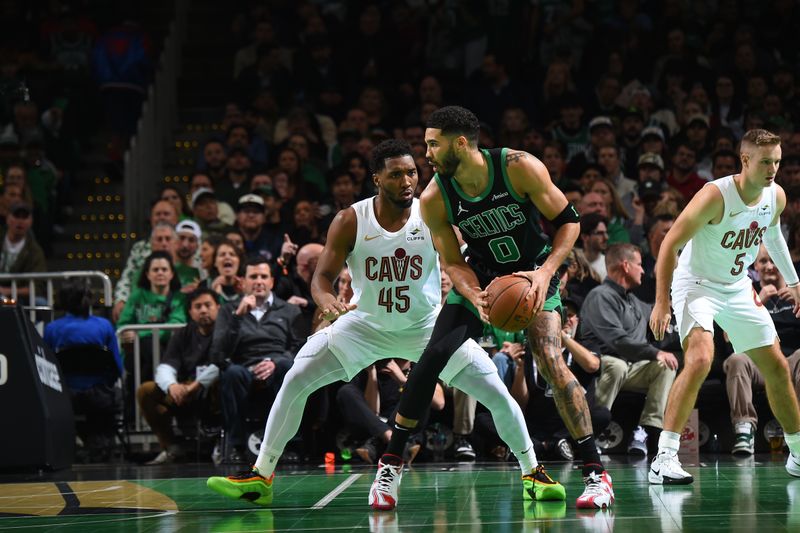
<point>463,449</point>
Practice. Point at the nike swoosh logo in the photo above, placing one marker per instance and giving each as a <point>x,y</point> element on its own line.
<point>732,214</point>
<point>656,472</point>
<point>369,238</point>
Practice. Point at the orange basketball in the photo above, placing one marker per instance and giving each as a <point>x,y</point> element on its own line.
<point>509,310</point>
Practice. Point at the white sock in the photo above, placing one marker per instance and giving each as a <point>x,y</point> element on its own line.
<point>527,460</point>
<point>669,442</point>
<point>793,442</point>
<point>266,462</point>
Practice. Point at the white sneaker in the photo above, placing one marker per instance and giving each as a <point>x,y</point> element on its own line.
<point>638,444</point>
<point>163,458</point>
<point>598,492</point>
<point>793,465</point>
<point>744,444</point>
<point>666,470</point>
<point>383,494</point>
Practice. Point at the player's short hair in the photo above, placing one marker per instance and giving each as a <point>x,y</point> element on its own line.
<point>617,253</point>
<point>388,149</point>
<point>759,137</point>
<point>455,120</point>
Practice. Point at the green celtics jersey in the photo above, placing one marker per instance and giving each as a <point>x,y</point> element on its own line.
<point>502,230</point>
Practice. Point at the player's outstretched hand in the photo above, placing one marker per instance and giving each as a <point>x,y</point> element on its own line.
<point>659,320</point>
<point>335,309</point>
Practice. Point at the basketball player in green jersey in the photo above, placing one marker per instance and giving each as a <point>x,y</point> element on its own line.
<point>496,198</point>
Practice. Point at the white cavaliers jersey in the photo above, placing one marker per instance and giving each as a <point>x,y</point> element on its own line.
<point>396,279</point>
<point>722,252</point>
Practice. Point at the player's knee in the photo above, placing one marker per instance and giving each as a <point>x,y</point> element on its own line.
<point>698,364</point>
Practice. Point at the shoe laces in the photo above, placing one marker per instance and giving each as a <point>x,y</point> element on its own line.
<point>594,484</point>
<point>540,475</point>
<point>386,475</point>
<point>246,474</point>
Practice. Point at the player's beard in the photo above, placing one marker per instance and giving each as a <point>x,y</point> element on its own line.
<point>448,164</point>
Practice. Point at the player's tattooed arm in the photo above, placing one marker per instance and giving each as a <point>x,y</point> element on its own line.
<point>514,157</point>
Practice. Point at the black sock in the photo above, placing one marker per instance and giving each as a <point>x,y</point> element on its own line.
<point>653,433</point>
<point>398,441</point>
<point>591,459</point>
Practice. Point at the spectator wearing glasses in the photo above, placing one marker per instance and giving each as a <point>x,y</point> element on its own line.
<point>594,237</point>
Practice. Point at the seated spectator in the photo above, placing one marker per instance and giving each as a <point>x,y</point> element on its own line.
<point>306,225</point>
<point>186,261</point>
<point>12,194</point>
<point>237,178</point>
<point>614,323</point>
<point>742,376</point>
<point>155,300</point>
<point>579,277</point>
<point>171,194</point>
<point>226,276</point>
<point>160,212</point>
<point>201,180</point>
<point>183,378</point>
<point>342,195</point>
<point>255,341</point>
<point>684,176</point>
<point>235,236</point>
<point>594,238</point>
<point>294,285</point>
<point>370,400</point>
<point>261,239</point>
<point>205,210</point>
<point>94,395</point>
<point>208,250</point>
<point>213,161</point>
<point>19,251</point>
<point>655,236</point>
<point>623,226</point>
<point>724,163</point>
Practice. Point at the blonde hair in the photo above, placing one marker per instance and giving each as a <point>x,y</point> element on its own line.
<point>617,209</point>
<point>759,137</point>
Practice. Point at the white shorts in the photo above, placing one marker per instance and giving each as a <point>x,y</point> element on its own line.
<point>736,308</point>
<point>357,345</point>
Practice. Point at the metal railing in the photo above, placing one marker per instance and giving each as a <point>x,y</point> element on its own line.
<point>34,278</point>
<point>137,357</point>
<point>144,160</point>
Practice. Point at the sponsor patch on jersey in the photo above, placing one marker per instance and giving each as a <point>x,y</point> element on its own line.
<point>415,234</point>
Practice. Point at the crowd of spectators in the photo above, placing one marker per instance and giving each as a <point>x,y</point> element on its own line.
<point>632,106</point>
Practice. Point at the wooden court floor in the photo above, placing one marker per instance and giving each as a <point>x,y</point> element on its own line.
<point>752,495</point>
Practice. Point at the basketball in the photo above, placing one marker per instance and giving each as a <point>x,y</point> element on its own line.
<point>509,310</point>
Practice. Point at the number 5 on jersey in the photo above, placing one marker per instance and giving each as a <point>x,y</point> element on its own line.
<point>394,298</point>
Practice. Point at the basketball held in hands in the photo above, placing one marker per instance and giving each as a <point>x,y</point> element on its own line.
<point>509,309</point>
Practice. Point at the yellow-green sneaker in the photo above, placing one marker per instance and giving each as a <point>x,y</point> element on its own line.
<point>248,485</point>
<point>539,486</point>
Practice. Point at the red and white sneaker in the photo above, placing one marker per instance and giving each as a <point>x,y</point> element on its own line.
<point>383,494</point>
<point>598,494</point>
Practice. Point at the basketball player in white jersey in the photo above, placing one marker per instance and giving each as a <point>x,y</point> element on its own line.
<point>396,296</point>
<point>722,228</point>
